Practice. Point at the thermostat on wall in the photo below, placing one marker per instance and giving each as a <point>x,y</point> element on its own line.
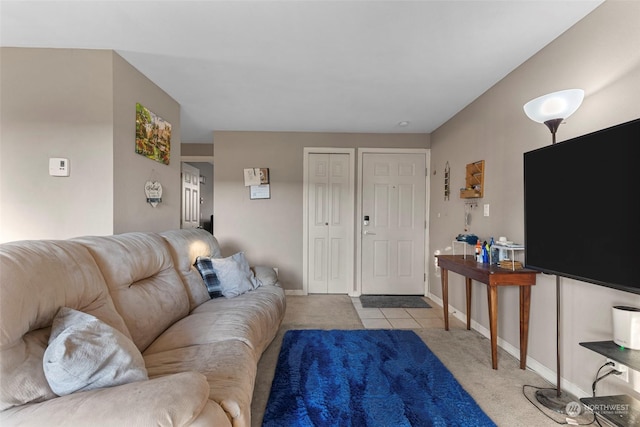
<point>58,166</point>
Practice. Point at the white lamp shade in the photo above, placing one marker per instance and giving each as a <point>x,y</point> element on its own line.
<point>556,105</point>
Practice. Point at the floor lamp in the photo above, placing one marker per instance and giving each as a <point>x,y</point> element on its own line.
<point>552,109</point>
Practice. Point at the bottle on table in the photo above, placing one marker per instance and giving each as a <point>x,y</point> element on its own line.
<point>485,252</point>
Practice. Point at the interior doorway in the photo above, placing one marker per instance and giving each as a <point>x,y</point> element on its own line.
<point>206,181</point>
<point>190,200</point>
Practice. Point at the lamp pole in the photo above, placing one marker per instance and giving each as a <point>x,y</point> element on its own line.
<point>551,110</point>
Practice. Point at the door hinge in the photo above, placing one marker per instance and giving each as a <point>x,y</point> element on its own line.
<point>426,171</point>
<point>425,277</point>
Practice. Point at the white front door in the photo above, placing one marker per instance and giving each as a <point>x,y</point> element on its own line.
<point>190,213</point>
<point>329,223</point>
<point>394,208</point>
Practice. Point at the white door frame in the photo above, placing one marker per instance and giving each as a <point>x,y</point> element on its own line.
<point>361,152</point>
<point>305,213</point>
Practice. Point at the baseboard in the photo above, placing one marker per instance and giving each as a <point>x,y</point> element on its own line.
<point>294,292</point>
<point>532,363</point>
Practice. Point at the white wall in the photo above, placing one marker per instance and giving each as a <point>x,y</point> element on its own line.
<point>270,231</point>
<point>55,103</point>
<point>79,104</point>
<point>131,170</point>
<point>600,54</point>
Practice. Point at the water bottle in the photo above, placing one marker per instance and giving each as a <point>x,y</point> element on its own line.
<point>493,254</point>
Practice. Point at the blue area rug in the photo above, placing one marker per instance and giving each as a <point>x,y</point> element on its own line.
<point>363,378</point>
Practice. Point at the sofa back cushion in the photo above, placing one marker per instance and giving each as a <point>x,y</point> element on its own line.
<point>186,246</point>
<point>37,278</point>
<point>144,285</point>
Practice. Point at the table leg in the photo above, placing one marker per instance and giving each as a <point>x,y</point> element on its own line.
<point>525,303</point>
<point>492,294</point>
<point>468,281</point>
<point>445,297</point>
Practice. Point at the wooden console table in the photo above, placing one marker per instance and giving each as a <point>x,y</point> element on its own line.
<point>493,276</point>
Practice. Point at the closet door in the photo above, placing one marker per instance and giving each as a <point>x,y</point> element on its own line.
<point>328,183</point>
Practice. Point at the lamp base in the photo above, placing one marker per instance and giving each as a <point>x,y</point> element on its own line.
<point>549,399</point>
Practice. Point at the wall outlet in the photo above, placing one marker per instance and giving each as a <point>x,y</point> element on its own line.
<point>624,376</point>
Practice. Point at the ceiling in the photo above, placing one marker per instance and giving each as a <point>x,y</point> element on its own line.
<point>309,66</point>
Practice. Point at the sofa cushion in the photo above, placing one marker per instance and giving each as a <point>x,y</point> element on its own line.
<point>185,246</point>
<point>234,275</point>
<point>85,353</point>
<point>38,277</point>
<point>204,265</point>
<point>143,282</point>
<point>253,318</point>
<point>230,367</point>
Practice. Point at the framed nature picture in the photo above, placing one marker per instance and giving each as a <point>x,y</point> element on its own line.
<point>153,135</point>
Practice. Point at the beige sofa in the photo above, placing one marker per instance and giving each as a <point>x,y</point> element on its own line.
<point>200,354</point>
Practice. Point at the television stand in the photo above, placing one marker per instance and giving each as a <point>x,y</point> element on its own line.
<point>613,351</point>
<point>619,410</point>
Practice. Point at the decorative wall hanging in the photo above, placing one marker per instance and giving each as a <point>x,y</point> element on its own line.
<point>258,181</point>
<point>260,192</point>
<point>256,176</point>
<point>153,135</point>
<point>264,175</point>
<point>153,190</point>
<point>447,182</point>
<point>251,177</point>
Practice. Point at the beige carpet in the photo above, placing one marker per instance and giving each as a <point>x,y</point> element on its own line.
<point>467,354</point>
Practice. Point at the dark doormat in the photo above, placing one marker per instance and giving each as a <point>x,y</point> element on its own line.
<point>393,301</point>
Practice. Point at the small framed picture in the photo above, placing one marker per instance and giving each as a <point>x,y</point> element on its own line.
<point>264,175</point>
<point>260,192</point>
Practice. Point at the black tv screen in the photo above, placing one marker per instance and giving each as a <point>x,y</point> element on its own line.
<point>582,208</point>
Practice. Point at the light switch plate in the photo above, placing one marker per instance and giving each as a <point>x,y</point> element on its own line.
<point>486,209</point>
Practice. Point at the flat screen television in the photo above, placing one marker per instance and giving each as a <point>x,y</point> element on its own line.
<point>582,208</point>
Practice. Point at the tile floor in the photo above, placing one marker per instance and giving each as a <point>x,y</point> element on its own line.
<point>400,318</point>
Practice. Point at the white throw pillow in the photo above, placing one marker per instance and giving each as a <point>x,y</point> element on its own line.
<point>234,275</point>
<point>85,353</point>
<point>266,276</point>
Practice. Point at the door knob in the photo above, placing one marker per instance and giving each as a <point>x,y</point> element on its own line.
<point>368,232</point>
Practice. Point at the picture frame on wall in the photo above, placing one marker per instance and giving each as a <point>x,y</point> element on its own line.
<point>262,191</point>
<point>264,175</point>
<point>153,135</point>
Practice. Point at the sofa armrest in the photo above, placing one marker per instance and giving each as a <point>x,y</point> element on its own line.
<point>173,400</point>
